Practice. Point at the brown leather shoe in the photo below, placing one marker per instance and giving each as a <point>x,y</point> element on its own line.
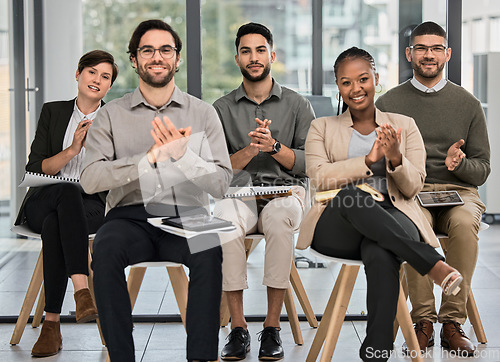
<point>85,307</point>
<point>425,335</point>
<point>453,337</point>
<point>49,342</point>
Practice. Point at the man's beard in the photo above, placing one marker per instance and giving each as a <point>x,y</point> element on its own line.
<point>427,74</point>
<point>155,82</point>
<point>265,73</point>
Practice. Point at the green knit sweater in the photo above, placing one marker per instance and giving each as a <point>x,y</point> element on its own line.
<point>443,118</point>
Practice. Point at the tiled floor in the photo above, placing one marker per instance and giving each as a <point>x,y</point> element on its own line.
<point>166,341</point>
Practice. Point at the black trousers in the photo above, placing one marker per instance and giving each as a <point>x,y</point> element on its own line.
<point>354,226</point>
<point>127,238</point>
<point>64,216</point>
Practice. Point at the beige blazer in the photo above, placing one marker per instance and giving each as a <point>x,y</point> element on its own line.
<point>328,167</point>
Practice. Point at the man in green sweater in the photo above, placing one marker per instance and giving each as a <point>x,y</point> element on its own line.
<point>453,127</point>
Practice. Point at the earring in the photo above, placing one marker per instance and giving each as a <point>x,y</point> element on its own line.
<point>380,90</point>
<point>338,97</point>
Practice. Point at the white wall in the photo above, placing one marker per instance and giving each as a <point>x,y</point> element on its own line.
<point>63,43</point>
<point>492,200</point>
<point>473,9</point>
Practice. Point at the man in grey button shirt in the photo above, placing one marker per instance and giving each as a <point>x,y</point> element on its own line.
<point>160,152</point>
<point>266,126</point>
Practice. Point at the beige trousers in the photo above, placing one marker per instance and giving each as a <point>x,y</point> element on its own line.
<point>278,221</point>
<point>461,223</point>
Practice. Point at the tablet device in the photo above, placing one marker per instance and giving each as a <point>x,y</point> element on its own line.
<point>439,198</point>
<point>199,222</point>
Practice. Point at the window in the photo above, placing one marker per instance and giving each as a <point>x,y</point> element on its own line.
<point>108,25</point>
<point>4,107</point>
<point>291,25</point>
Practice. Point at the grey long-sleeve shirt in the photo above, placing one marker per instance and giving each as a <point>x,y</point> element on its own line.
<point>291,115</point>
<point>119,138</point>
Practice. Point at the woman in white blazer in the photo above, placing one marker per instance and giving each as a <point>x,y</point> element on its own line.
<point>385,151</point>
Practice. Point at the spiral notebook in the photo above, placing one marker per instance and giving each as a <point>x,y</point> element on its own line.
<point>33,179</point>
<point>257,192</point>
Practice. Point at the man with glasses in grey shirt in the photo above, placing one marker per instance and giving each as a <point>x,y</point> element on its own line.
<point>266,126</point>
<point>159,152</point>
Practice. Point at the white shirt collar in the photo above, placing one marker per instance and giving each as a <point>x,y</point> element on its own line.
<point>437,87</point>
<point>81,116</point>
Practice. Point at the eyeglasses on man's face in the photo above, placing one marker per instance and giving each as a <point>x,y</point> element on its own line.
<point>148,52</point>
<point>422,49</point>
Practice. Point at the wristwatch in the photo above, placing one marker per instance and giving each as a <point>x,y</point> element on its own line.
<point>276,148</point>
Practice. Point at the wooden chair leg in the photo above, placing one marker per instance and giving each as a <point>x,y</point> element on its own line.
<point>404,319</point>
<point>37,318</point>
<point>91,288</point>
<point>301,294</point>
<point>180,286</point>
<point>224,311</point>
<point>475,319</point>
<point>472,312</point>
<point>319,338</point>
<point>251,244</point>
<point>29,301</point>
<point>339,310</point>
<point>293,318</point>
<point>330,325</point>
<point>134,281</point>
<point>404,285</point>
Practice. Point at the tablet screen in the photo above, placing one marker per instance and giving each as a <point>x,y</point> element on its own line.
<point>439,198</point>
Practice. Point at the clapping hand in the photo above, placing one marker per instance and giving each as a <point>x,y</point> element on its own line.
<point>390,141</point>
<point>387,144</point>
<point>454,155</point>
<point>80,135</point>
<point>170,142</point>
<point>261,137</point>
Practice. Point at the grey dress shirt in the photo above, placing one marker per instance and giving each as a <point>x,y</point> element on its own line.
<point>291,115</point>
<point>120,136</point>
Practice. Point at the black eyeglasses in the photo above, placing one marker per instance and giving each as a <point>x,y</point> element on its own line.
<point>422,49</point>
<point>148,52</point>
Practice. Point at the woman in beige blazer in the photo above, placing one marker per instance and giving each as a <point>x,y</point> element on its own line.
<point>385,151</point>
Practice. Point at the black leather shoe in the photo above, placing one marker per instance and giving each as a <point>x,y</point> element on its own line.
<point>238,345</point>
<point>270,345</point>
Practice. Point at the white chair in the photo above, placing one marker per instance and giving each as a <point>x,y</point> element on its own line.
<point>178,280</point>
<point>35,289</point>
<point>333,317</point>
